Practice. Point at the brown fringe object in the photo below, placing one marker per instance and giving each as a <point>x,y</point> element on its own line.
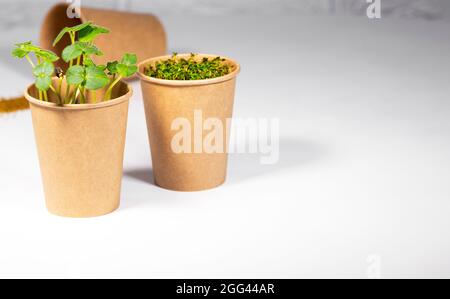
<point>13,105</point>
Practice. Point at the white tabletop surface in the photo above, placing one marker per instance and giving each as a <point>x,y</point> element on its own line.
<point>362,181</point>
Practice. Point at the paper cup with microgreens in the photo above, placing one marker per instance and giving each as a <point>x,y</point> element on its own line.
<point>79,119</point>
<point>80,149</point>
<point>188,103</point>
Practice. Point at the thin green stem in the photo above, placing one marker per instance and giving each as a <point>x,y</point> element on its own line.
<point>74,94</point>
<point>94,96</point>
<point>59,89</point>
<point>82,96</point>
<point>45,95</point>
<point>72,39</point>
<point>68,95</point>
<point>29,60</point>
<point>59,96</point>
<point>110,89</point>
<point>40,95</point>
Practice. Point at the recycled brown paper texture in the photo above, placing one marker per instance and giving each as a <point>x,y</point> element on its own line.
<point>81,150</point>
<point>167,100</point>
<point>140,34</point>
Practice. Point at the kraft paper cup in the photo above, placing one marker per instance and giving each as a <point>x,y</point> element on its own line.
<point>80,149</point>
<point>140,34</point>
<point>167,100</point>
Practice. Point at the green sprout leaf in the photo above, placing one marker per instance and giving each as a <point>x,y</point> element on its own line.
<point>129,59</point>
<point>77,49</point>
<point>43,73</point>
<point>23,49</point>
<point>70,30</point>
<point>71,52</point>
<point>28,47</point>
<point>89,33</point>
<point>19,53</point>
<point>127,66</point>
<point>126,71</point>
<point>47,55</point>
<point>89,49</point>
<point>43,83</point>
<point>87,61</point>
<point>112,67</point>
<point>76,75</point>
<point>80,27</point>
<point>95,78</point>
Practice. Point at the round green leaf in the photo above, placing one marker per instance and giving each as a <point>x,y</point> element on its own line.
<point>70,29</point>
<point>132,70</point>
<point>87,61</point>
<point>71,52</point>
<point>89,49</point>
<point>129,59</point>
<point>89,33</point>
<point>24,49</point>
<point>19,53</point>
<point>79,27</point>
<point>28,46</point>
<point>43,73</point>
<point>76,75</point>
<point>47,55</point>
<point>43,83</point>
<point>95,78</point>
<point>112,67</point>
<point>44,69</point>
<point>126,71</point>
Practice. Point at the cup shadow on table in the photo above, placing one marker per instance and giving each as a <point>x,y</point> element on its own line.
<point>141,174</point>
<point>292,153</point>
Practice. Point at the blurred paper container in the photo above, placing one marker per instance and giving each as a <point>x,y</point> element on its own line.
<point>140,34</point>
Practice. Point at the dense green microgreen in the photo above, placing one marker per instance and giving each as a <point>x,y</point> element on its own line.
<point>83,73</point>
<point>192,68</point>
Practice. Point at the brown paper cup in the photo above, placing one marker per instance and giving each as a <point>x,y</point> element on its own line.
<point>81,150</point>
<point>167,100</point>
<point>140,34</point>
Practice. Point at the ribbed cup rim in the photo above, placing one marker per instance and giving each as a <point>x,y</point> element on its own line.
<point>143,64</point>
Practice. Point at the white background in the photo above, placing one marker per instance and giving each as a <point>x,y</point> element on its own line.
<point>363,172</point>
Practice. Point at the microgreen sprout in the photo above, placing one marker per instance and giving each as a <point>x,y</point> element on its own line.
<point>82,74</point>
<point>192,68</point>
